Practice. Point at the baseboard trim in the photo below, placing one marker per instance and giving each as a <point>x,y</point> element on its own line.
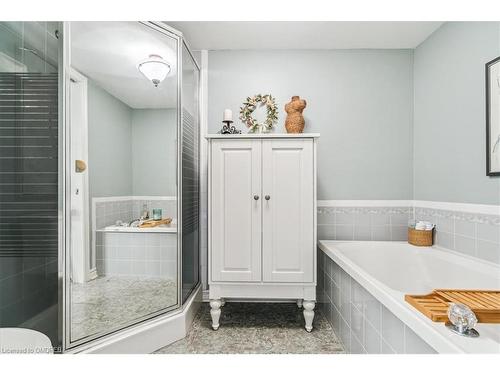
<point>148,336</point>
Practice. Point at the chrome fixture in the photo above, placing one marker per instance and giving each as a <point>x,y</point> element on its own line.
<point>133,222</point>
<point>154,68</point>
<point>462,320</point>
<point>40,55</point>
<point>31,50</point>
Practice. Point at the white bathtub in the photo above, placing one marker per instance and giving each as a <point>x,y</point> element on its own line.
<point>389,270</point>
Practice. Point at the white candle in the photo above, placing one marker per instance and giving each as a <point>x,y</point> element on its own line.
<point>228,115</point>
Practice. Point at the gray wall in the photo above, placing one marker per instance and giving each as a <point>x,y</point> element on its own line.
<point>131,151</point>
<point>110,153</point>
<point>359,100</point>
<point>154,152</point>
<point>449,125</point>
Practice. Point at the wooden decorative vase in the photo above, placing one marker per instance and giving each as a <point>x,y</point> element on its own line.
<point>294,122</point>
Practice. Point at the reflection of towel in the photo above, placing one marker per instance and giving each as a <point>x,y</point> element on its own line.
<point>424,225</point>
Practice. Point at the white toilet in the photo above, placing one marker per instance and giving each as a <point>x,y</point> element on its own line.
<point>24,341</point>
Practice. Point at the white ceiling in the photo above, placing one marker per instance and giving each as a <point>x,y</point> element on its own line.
<point>213,35</point>
<point>108,53</point>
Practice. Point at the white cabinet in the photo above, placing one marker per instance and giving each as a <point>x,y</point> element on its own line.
<point>288,211</point>
<point>235,215</point>
<point>262,219</point>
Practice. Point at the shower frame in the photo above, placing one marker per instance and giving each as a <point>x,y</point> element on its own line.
<point>64,322</point>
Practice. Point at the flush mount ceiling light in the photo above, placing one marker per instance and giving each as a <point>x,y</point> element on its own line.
<point>154,68</point>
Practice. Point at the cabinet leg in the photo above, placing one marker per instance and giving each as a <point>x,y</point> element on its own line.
<point>215,305</point>
<point>299,303</point>
<point>309,314</point>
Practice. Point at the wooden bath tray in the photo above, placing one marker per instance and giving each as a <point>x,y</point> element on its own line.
<point>155,223</point>
<point>484,303</point>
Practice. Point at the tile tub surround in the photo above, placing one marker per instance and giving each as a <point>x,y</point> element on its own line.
<point>471,233</point>
<point>389,270</point>
<point>137,254</point>
<point>361,322</point>
<point>168,206</point>
<point>469,229</point>
<point>107,210</point>
<point>363,223</point>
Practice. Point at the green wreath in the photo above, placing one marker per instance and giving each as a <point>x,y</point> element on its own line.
<point>251,104</point>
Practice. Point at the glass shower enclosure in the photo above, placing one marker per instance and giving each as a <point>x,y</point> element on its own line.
<point>132,248</point>
<point>99,138</point>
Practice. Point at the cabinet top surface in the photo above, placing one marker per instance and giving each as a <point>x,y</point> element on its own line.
<point>262,135</point>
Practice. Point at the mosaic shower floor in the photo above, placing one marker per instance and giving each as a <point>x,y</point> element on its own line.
<point>253,328</point>
<point>107,303</point>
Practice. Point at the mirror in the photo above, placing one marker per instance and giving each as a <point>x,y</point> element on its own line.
<point>123,129</point>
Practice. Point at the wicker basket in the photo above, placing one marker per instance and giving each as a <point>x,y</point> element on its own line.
<point>420,237</point>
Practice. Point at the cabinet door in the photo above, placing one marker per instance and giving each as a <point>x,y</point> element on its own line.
<point>288,210</point>
<point>235,212</point>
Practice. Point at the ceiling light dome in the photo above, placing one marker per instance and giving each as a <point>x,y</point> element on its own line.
<point>154,68</point>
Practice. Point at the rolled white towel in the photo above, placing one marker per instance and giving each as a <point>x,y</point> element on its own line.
<point>424,225</point>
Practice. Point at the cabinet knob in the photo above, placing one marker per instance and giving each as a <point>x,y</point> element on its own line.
<point>267,197</point>
<point>256,197</point>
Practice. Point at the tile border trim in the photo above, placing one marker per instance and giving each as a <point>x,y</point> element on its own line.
<point>364,203</point>
<point>134,197</point>
<point>484,209</point>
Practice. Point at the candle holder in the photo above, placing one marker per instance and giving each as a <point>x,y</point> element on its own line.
<point>228,128</point>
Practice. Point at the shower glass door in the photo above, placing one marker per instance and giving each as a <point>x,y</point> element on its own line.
<point>123,120</point>
<point>29,170</point>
